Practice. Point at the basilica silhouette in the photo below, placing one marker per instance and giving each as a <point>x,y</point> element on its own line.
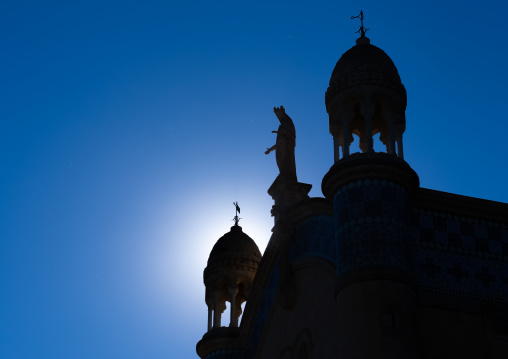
<point>379,267</point>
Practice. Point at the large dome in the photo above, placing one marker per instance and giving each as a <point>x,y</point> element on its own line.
<point>364,64</point>
<point>234,250</point>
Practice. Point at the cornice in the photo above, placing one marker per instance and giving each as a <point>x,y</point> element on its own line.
<point>363,166</point>
<point>310,207</point>
<point>462,206</point>
<point>218,339</point>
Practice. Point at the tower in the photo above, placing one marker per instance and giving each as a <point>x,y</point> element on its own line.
<point>366,97</point>
<point>371,193</point>
<point>228,277</point>
<point>378,268</point>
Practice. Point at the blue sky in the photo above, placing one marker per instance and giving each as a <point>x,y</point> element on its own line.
<point>128,128</point>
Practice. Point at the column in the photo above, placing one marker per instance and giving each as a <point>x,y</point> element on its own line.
<point>345,138</point>
<point>368,113</point>
<point>392,138</point>
<point>210,314</point>
<point>399,146</point>
<point>233,320</point>
<point>336,149</point>
<point>216,311</point>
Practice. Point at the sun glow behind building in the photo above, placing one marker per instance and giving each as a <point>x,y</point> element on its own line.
<point>129,128</point>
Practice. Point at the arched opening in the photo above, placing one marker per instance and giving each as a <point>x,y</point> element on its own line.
<point>378,144</point>
<point>216,297</point>
<point>239,298</point>
<point>355,145</point>
<point>241,314</point>
<point>226,315</point>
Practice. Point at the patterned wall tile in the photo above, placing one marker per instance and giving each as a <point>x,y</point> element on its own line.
<point>314,237</point>
<point>461,257</point>
<point>371,226</point>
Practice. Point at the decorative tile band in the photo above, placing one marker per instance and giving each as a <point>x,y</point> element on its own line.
<point>461,257</point>
<point>371,230</point>
<point>314,237</point>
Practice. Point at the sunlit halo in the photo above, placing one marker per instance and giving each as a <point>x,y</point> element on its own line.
<point>178,256</point>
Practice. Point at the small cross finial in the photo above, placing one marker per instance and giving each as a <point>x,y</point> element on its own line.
<point>362,29</point>
<point>237,208</point>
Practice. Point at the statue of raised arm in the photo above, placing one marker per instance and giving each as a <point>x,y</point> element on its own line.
<point>284,145</point>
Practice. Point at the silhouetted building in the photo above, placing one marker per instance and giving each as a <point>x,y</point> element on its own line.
<point>379,267</point>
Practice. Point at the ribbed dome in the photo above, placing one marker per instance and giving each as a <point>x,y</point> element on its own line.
<point>234,250</point>
<point>364,64</point>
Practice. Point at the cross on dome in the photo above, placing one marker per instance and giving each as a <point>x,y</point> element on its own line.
<point>362,29</point>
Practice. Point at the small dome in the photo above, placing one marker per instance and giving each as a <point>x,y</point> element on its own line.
<point>364,64</point>
<point>235,250</point>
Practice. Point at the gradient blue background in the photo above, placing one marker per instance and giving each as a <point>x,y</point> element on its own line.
<point>128,128</point>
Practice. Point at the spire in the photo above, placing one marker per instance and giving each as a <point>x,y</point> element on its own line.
<point>362,39</point>
<point>236,218</point>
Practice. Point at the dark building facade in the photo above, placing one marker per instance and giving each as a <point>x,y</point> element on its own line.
<point>378,268</point>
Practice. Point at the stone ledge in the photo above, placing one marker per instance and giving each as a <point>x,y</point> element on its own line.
<point>375,274</point>
<point>218,339</point>
<point>310,207</point>
<point>374,165</point>
<point>462,206</point>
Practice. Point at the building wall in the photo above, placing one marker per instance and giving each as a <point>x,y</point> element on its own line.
<point>452,304</point>
<point>461,258</point>
<point>385,274</point>
<point>307,327</point>
<point>447,333</point>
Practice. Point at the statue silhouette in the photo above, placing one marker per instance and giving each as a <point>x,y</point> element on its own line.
<point>284,146</point>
